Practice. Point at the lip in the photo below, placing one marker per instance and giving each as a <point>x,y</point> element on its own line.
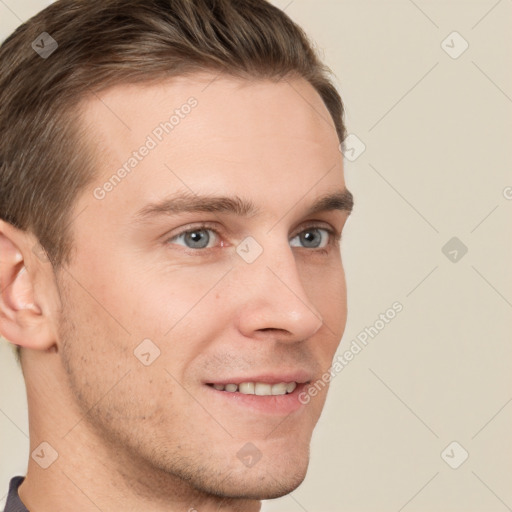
<point>298,376</point>
<point>270,405</point>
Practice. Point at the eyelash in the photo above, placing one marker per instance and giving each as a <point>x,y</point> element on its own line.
<point>334,237</point>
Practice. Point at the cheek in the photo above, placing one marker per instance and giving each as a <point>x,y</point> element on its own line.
<point>108,382</point>
<point>157,300</point>
<point>93,347</point>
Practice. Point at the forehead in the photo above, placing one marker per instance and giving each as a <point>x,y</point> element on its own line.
<point>127,108</point>
<point>210,134</point>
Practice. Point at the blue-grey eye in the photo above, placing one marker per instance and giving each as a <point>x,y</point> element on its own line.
<point>194,239</point>
<point>312,238</point>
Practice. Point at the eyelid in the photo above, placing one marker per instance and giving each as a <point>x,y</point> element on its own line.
<point>195,227</point>
<point>318,224</point>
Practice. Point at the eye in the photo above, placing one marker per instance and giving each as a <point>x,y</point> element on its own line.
<point>313,238</point>
<point>197,238</point>
<point>204,237</point>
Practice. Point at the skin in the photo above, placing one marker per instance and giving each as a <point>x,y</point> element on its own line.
<point>134,437</point>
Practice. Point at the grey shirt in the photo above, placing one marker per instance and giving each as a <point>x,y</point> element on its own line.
<point>13,503</point>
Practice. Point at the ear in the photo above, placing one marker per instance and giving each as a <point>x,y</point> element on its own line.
<point>23,320</point>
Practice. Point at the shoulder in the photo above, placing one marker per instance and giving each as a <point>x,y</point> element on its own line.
<point>13,503</point>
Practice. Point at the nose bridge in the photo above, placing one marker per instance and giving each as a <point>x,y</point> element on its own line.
<point>273,296</point>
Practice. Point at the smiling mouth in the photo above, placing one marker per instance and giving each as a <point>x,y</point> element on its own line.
<point>257,388</point>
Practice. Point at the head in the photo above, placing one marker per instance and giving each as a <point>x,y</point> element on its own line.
<point>171,200</point>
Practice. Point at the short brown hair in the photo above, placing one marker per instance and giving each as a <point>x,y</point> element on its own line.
<point>101,43</point>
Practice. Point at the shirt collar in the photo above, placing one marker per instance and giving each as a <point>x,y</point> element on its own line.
<point>13,503</point>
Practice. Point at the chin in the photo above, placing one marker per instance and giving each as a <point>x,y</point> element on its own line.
<point>266,480</point>
<point>271,487</point>
<point>257,486</point>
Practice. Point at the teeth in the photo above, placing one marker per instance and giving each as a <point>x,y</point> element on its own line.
<point>258,388</point>
<point>290,386</point>
<point>262,389</point>
<point>247,388</point>
<point>279,389</point>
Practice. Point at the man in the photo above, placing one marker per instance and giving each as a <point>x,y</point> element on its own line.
<point>171,201</point>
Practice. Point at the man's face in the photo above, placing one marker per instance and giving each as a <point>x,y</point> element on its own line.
<point>158,308</point>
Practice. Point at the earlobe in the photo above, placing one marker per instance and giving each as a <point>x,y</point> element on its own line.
<point>21,319</point>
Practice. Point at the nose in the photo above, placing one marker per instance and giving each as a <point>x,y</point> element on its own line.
<point>275,304</point>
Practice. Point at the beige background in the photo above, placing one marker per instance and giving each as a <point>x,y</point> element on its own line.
<point>437,164</point>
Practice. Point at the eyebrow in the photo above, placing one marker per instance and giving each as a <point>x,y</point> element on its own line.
<point>342,200</point>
